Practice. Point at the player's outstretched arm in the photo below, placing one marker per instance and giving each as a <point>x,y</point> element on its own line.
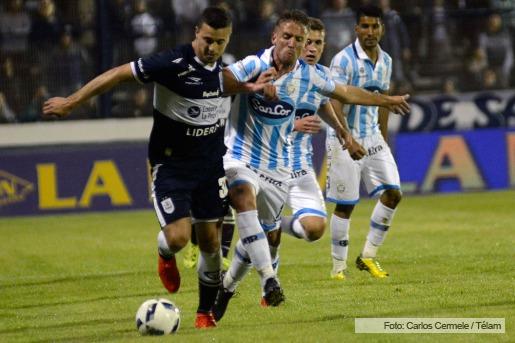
<point>62,107</point>
<point>355,95</point>
<point>356,150</point>
<point>263,84</point>
<point>327,113</point>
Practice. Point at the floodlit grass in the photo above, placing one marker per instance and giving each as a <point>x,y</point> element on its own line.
<point>81,278</point>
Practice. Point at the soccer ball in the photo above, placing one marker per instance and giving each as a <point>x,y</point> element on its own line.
<point>158,317</point>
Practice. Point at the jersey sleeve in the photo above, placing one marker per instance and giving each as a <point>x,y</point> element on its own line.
<point>340,70</point>
<point>247,68</point>
<point>323,82</point>
<point>152,68</point>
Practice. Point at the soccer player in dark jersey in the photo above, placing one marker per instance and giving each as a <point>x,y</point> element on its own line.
<point>186,145</point>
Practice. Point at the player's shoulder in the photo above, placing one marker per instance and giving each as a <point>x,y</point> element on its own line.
<point>322,69</point>
<point>344,55</point>
<point>387,59</point>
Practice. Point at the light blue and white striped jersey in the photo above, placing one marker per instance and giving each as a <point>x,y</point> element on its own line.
<point>302,148</point>
<point>259,132</point>
<point>352,66</point>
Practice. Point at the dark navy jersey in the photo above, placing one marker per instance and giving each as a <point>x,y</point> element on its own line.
<point>189,111</point>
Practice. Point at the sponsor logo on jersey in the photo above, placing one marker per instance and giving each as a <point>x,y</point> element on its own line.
<point>204,131</point>
<point>194,111</point>
<point>186,72</point>
<point>196,80</point>
<point>272,110</point>
<point>302,113</point>
<point>177,60</point>
<point>13,189</point>
<point>207,94</point>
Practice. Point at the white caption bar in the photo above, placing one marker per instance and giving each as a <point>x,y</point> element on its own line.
<point>429,325</point>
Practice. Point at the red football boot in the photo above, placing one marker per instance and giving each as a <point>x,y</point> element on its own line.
<point>169,274</point>
<point>205,320</point>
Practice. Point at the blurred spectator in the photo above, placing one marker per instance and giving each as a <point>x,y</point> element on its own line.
<point>396,42</point>
<point>187,13</point>
<point>33,111</point>
<point>145,29</point>
<point>46,27</point>
<point>14,28</point>
<point>120,13</point>
<point>7,115</point>
<point>339,22</point>
<point>11,84</point>
<point>68,75</point>
<point>490,80</point>
<point>450,86</point>
<point>475,67</point>
<point>439,33</point>
<point>497,46</point>
<point>139,105</point>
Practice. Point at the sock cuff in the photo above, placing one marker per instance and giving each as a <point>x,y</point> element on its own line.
<point>340,220</point>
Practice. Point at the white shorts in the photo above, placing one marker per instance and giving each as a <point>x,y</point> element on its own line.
<point>377,169</point>
<point>305,197</point>
<point>271,189</point>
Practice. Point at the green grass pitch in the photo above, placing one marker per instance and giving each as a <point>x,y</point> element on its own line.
<point>81,278</point>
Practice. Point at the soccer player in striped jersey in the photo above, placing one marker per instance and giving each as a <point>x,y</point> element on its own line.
<point>362,64</point>
<point>258,162</point>
<point>305,197</point>
<point>186,145</point>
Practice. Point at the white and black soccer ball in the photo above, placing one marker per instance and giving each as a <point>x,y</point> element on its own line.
<point>158,317</point>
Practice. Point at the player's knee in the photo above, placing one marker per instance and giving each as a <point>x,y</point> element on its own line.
<point>274,238</point>
<point>314,227</point>
<point>177,235</point>
<point>343,211</point>
<point>242,198</point>
<point>391,198</point>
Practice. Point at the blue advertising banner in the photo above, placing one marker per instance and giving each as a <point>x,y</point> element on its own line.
<point>73,179</point>
<point>112,176</point>
<point>456,161</point>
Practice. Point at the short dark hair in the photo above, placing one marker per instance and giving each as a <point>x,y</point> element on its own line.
<point>216,17</point>
<point>297,16</point>
<point>315,24</point>
<point>369,11</point>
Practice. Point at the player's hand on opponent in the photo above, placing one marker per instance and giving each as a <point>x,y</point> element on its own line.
<point>309,124</point>
<point>356,151</point>
<point>264,83</point>
<point>398,104</point>
<point>59,107</point>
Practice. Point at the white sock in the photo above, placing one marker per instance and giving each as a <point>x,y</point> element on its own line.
<point>292,226</point>
<point>254,240</point>
<point>208,268</point>
<point>380,221</point>
<point>240,266</point>
<point>339,242</point>
<point>162,246</point>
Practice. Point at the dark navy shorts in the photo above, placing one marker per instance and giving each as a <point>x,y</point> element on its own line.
<point>184,192</point>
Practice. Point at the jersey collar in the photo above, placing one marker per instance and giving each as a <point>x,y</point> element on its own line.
<point>361,54</point>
